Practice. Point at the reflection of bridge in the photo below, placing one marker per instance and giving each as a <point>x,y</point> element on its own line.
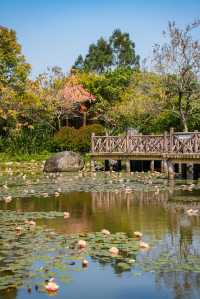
<point>123,199</point>
<point>169,148</point>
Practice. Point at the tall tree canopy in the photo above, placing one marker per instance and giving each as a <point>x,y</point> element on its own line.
<point>178,61</point>
<point>99,57</point>
<point>118,51</point>
<point>123,50</point>
<point>13,68</point>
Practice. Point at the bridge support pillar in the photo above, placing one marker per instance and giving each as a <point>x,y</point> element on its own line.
<point>92,165</point>
<point>171,172</point>
<point>164,166</point>
<point>152,165</point>
<point>128,166</point>
<point>190,171</point>
<point>171,187</point>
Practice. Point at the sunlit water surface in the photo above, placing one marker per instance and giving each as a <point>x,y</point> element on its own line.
<point>158,215</point>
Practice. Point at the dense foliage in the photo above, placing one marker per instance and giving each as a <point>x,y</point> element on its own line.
<point>34,116</point>
<point>13,67</point>
<point>78,140</point>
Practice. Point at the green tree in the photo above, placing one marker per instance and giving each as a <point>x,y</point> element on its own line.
<point>108,86</point>
<point>108,89</point>
<point>99,57</point>
<point>79,63</point>
<point>13,67</point>
<point>142,105</point>
<point>118,51</point>
<point>123,50</point>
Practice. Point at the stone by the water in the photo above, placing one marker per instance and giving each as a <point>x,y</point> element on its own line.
<point>66,161</point>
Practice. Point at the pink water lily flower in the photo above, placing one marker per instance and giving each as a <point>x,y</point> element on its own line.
<point>66,215</point>
<point>138,234</point>
<point>85,263</point>
<point>18,228</point>
<point>114,250</point>
<point>82,243</point>
<point>51,286</point>
<point>105,232</point>
<point>144,245</point>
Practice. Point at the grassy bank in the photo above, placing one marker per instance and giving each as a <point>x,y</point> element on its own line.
<point>7,157</point>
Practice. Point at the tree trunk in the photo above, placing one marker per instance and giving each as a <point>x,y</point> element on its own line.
<point>184,122</point>
<point>59,123</point>
<point>67,121</point>
<point>84,118</point>
<point>185,126</point>
<point>183,115</point>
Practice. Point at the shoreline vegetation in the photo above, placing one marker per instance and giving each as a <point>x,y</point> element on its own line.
<point>8,157</point>
<point>107,91</point>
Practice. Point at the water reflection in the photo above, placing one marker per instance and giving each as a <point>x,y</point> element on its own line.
<point>154,213</point>
<point>182,285</point>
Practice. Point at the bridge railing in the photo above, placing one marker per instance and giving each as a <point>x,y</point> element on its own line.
<point>173,142</point>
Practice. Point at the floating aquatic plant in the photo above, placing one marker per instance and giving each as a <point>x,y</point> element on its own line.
<point>57,255</point>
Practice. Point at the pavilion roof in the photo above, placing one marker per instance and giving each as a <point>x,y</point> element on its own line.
<point>74,92</point>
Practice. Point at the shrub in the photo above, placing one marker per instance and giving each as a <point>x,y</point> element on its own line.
<point>85,133</point>
<point>78,140</point>
<point>65,139</point>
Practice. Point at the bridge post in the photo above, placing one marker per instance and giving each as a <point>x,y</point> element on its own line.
<point>127,143</point>
<point>190,171</point>
<point>171,187</point>
<point>128,166</point>
<point>171,172</point>
<point>92,165</point>
<point>92,141</point>
<point>164,166</point>
<point>171,139</point>
<point>152,165</point>
<point>107,143</point>
<point>195,141</point>
<point>165,149</point>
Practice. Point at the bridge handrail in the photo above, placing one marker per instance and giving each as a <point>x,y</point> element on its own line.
<point>172,142</point>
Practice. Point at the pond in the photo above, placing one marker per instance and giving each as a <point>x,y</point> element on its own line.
<point>30,255</point>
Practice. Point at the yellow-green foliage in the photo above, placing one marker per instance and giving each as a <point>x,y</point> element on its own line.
<point>143,105</point>
<point>69,138</point>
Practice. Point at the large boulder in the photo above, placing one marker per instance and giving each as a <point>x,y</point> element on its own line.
<point>64,161</point>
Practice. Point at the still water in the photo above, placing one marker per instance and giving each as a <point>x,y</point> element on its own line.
<point>160,215</point>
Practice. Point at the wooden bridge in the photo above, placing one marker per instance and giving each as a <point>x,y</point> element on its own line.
<point>170,148</point>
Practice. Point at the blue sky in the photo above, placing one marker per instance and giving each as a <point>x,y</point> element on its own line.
<point>54,32</point>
